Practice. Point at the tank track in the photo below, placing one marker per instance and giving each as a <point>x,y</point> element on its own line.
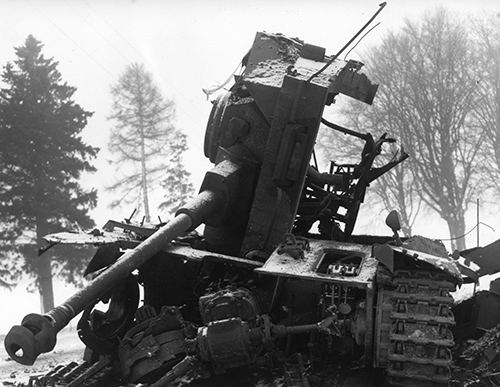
<point>415,319</point>
<point>75,374</point>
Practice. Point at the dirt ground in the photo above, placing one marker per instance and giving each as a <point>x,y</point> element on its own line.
<point>68,348</point>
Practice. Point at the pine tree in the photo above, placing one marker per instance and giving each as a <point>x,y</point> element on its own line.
<point>41,159</point>
<point>146,143</point>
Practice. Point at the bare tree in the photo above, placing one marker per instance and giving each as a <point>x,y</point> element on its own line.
<point>487,110</point>
<point>428,93</point>
<point>397,190</point>
<point>146,143</point>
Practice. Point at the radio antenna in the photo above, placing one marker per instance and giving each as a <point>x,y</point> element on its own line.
<point>381,7</point>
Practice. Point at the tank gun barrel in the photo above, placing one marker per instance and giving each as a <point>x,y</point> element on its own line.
<point>37,333</point>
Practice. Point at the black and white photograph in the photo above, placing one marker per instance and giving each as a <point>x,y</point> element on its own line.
<point>249,193</point>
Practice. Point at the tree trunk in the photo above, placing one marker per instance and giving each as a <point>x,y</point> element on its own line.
<point>456,225</point>
<point>45,282</point>
<point>406,230</point>
<point>405,221</point>
<point>144,180</point>
<point>44,271</point>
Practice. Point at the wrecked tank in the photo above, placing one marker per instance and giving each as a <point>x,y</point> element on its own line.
<point>262,285</point>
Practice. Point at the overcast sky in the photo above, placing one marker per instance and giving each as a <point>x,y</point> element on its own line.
<point>188,45</point>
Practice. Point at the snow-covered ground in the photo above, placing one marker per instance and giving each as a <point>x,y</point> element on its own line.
<point>68,348</point>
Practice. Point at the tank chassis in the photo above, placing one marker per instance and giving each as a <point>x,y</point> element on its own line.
<point>259,281</point>
<point>240,143</point>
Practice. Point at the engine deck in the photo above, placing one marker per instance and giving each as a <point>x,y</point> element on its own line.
<point>326,261</point>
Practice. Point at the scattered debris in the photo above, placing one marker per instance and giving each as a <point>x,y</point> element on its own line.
<point>478,361</point>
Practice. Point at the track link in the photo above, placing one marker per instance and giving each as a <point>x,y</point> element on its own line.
<point>414,333</point>
<point>82,374</point>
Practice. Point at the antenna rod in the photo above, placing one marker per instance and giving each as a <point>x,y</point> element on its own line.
<point>381,7</point>
<point>477,221</point>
